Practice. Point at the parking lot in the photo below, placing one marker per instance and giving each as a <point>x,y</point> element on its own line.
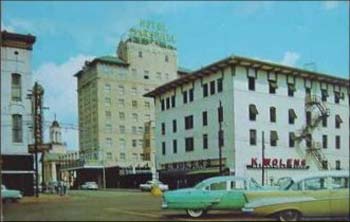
<point>109,205</point>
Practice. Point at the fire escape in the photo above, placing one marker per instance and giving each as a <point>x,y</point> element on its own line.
<point>312,147</point>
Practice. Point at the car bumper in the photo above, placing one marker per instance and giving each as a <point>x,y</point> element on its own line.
<point>248,211</point>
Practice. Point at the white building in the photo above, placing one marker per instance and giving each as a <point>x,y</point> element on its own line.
<point>16,111</point>
<point>288,104</point>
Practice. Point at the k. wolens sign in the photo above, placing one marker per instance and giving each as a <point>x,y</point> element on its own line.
<point>278,163</point>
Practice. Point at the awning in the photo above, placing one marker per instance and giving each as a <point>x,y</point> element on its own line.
<point>291,87</point>
<point>324,92</point>
<point>274,135</point>
<point>253,109</point>
<point>292,114</point>
<point>338,119</point>
<point>205,171</point>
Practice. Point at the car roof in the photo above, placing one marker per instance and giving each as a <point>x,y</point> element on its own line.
<point>339,173</point>
<point>225,178</point>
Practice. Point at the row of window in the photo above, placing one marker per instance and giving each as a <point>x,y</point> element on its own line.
<point>168,103</point>
<point>121,90</point>
<point>134,116</point>
<point>253,112</point>
<point>134,129</point>
<point>189,123</point>
<point>210,87</point>
<point>274,138</point>
<point>292,88</point>
<point>166,57</point>
<point>121,102</point>
<point>109,143</point>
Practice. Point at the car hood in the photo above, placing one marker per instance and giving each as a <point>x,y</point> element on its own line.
<point>275,200</point>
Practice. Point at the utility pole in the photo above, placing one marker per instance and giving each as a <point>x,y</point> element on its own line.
<point>220,118</point>
<point>38,133</point>
<point>262,159</point>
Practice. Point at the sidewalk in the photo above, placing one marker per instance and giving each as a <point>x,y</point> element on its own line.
<point>44,198</point>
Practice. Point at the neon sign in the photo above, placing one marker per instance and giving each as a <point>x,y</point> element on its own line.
<point>278,163</point>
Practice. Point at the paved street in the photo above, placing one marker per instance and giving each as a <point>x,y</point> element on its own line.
<point>112,205</point>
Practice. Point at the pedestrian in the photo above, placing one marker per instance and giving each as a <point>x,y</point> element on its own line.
<point>64,187</point>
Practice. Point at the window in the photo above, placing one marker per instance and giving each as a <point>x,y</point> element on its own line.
<point>121,116</point>
<point>167,103</point>
<point>324,121</point>
<point>109,156</point>
<point>219,82</point>
<point>273,114</point>
<point>135,117</point>
<point>337,142</point>
<point>174,126</point>
<point>324,164</point>
<point>205,141</point>
<point>134,104</point>
<point>16,87</point>
<point>324,141</point>
<point>166,58</point>
<point>336,97</point>
<point>218,186</point>
<point>140,54</point>
<point>122,129</point>
<point>252,137</point>
<point>134,143</point>
<point>184,94</point>
<point>338,121</point>
<point>134,130</point>
<point>315,184</point>
<point>108,115</point>
<point>337,165</point>
<point>272,87</point>
<point>308,140</point>
<point>273,138</point>
<point>291,116</point>
<point>122,144</point>
<point>109,142</point>
<point>188,122</point>
<point>147,117</point>
<point>190,92</point>
<point>163,128</point>
<point>220,114</point>
<point>108,128</point>
<point>107,88</point>
<point>147,104</point>
<point>251,83</point>
<point>134,72</point>
<point>122,156</point>
<point>121,90</point>
<point>291,90</point>
<point>174,146</point>
<point>212,87</point>
<point>121,102</point>
<point>308,118</point>
<point>140,130</point>
<point>324,94</point>
<point>146,75</point>
<point>107,102</point>
<point>163,148</point>
<point>173,101</point>
<point>221,138</point>
<point>307,91</point>
<point>205,118</point>
<point>17,132</point>
<point>163,104</point>
<point>291,139</point>
<point>189,144</point>
<point>159,75</point>
<point>134,91</point>
<point>205,90</point>
<point>253,111</point>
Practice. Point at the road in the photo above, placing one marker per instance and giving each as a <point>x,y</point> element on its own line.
<point>111,205</point>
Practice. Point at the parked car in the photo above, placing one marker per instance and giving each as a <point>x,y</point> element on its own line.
<point>52,187</point>
<point>152,183</point>
<point>90,185</point>
<point>323,194</point>
<point>216,193</point>
<point>10,195</point>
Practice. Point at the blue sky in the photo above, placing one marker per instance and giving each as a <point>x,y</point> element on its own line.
<point>68,33</point>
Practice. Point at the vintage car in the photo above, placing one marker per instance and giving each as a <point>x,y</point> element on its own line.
<point>90,185</point>
<point>216,193</point>
<point>153,183</point>
<point>10,195</point>
<point>323,194</point>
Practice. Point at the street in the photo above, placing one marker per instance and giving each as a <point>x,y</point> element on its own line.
<point>110,205</point>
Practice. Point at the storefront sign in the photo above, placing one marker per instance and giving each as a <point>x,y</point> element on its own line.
<point>278,163</point>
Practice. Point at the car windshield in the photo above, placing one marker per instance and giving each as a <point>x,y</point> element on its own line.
<point>254,184</point>
<point>285,184</point>
<point>201,185</point>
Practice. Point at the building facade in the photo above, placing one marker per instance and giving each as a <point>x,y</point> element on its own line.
<point>16,111</point>
<point>304,116</point>
<point>112,109</point>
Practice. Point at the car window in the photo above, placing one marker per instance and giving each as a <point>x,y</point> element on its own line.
<point>339,182</point>
<point>294,186</point>
<point>253,184</point>
<point>217,186</point>
<point>315,184</point>
<point>238,185</point>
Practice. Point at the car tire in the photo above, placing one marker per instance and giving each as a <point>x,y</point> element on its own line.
<point>289,215</point>
<point>195,213</point>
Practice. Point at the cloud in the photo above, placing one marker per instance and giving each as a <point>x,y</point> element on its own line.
<point>290,58</point>
<point>7,28</point>
<point>252,7</point>
<point>42,26</point>
<point>329,5</point>
<point>61,95</point>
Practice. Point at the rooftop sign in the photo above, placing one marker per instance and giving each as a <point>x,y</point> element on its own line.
<point>151,32</point>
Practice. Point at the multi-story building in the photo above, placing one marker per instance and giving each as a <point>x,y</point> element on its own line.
<point>16,111</point>
<point>303,114</point>
<point>112,109</point>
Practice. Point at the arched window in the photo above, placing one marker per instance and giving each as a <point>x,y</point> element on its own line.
<point>16,87</point>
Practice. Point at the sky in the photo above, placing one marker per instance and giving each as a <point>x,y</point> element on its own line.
<point>69,33</point>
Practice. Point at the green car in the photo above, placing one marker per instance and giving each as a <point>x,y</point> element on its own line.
<point>216,193</point>
<point>10,195</point>
<point>322,194</point>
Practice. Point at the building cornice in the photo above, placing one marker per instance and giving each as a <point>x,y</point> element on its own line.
<point>15,40</point>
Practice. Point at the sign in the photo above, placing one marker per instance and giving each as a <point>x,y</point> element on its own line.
<point>151,32</point>
<point>278,163</point>
<point>41,148</point>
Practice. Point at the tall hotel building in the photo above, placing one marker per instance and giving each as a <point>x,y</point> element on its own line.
<point>113,114</point>
<point>304,116</point>
<point>16,111</point>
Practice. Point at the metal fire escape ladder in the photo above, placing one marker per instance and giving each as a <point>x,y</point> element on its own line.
<point>315,148</point>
